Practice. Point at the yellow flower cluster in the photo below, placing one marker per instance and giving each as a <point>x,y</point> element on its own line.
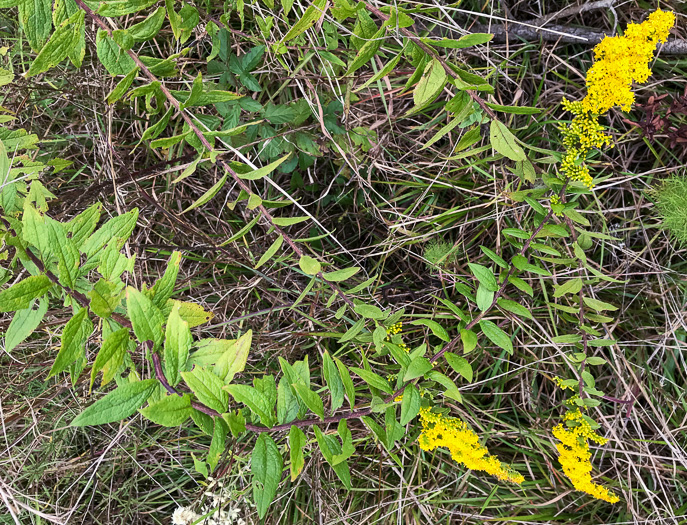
<point>396,329</point>
<point>575,457</point>
<point>620,60</point>
<point>583,134</point>
<point>443,431</point>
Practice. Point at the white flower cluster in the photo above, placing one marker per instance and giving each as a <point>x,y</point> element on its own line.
<point>216,499</point>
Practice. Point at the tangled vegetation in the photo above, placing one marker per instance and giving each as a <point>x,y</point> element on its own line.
<point>280,262</point>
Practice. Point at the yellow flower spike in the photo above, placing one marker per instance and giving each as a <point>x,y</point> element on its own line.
<point>619,61</point>
<point>463,444</point>
<point>575,457</point>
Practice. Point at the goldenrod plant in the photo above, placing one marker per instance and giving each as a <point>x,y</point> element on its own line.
<point>380,374</point>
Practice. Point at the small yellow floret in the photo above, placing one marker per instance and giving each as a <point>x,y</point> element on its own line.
<point>575,457</point>
<point>443,431</point>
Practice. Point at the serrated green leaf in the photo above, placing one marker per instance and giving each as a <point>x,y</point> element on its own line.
<point>117,405</point>
<point>111,354</point>
<point>62,41</point>
<point>296,443</point>
<point>266,465</point>
<point>207,387</point>
<point>253,399</point>
<point>170,411</point>
<point>311,15</point>
<point>119,227</point>
<point>113,57</point>
<point>36,21</point>
<point>430,85</point>
<point>20,295</point>
<point>310,398</point>
<point>233,361</point>
<point>146,318</point>
<point>149,27</point>
<point>178,342</point>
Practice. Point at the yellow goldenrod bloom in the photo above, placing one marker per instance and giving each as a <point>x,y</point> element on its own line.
<point>443,431</point>
<point>575,457</point>
<point>621,60</point>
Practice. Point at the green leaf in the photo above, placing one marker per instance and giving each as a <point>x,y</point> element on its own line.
<point>146,318</point>
<point>311,15</point>
<point>23,324</point>
<point>115,8</point>
<point>485,276</point>
<point>309,265</point>
<point>287,402</point>
<point>150,27</point>
<point>330,447</point>
<point>496,335</point>
<point>270,251</point>
<point>430,85</point>
<point>373,380</point>
<point>170,411</point>
<point>418,367</point>
<point>410,404</point>
<point>296,443</point>
<point>264,171</point>
<point>117,405</point>
<point>340,275</point>
<point>119,227</point>
<point>113,57</point>
<point>572,286</point>
<point>503,141</point>
<point>520,262</point>
<point>62,41</point>
<point>111,354</point>
<point>36,21</point>
<point>435,327</point>
<point>164,287</point>
<point>178,342</point>
<point>473,39</point>
<point>121,87</point>
<point>460,365</point>
<point>266,465</point>
<point>207,387</point>
<point>601,342</point>
<point>367,51</point>
<point>496,258</point>
<point>20,295</point>
<point>209,194</point>
<point>469,340</point>
<point>517,110</point>
<point>253,399</point>
<point>595,304</point>
<point>369,311</point>
<point>310,398</point>
<point>218,443</point>
<point>347,382</point>
<point>513,307</point>
<point>67,254</point>
<point>331,376</point>
<point>521,285</point>
<point>234,359</point>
